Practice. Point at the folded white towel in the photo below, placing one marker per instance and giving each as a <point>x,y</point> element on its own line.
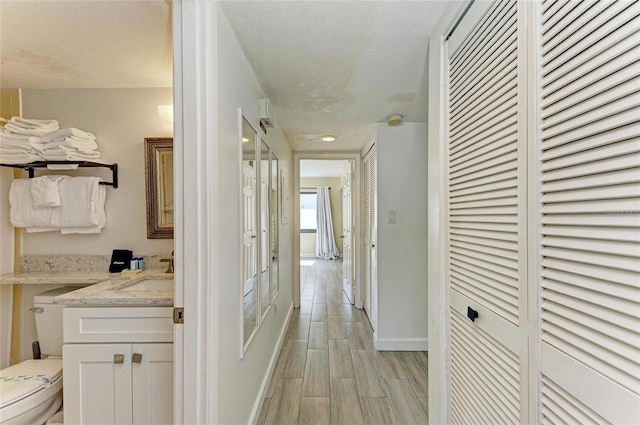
<point>68,132</point>
<point>20,131</point>
<point>18,157</point>
<point>72,155</point>
<point>73,143</point>
<point>33,123</point>
<point>81,205</point>
<point>46,191</point>
<point>22,146</point>
<point>62,166</point>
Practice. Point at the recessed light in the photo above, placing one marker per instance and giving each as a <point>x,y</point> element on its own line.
<point>328,138</point>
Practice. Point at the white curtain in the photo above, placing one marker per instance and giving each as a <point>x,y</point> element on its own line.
<point>326,248</point>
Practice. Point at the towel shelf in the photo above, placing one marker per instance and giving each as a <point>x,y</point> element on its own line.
<point>31,166</point>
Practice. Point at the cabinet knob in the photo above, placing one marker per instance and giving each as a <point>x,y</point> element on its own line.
<point>136,358</point>
<point>118,358</point>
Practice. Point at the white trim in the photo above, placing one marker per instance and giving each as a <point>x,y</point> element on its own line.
<point>257,406</point>
<point>196,280</point>
<point>313,256</point>
<point>400,344</point>
<point>355,157</point>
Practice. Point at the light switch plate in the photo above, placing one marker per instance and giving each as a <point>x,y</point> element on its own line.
<point>392,217</point>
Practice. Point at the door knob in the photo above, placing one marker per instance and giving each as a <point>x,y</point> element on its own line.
<point>136,358</point>
<point>118,358</point>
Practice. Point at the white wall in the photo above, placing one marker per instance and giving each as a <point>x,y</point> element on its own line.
<point>240,380</point>
<point>120,119</point>
<point>308,240</point>
<point>402,247</point>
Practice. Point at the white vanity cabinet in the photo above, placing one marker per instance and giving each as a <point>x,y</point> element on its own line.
<point>118,365</point>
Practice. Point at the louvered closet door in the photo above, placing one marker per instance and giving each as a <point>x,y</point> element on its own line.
<point>369,236</point>
<point>487,217</point>
<point>590,191</point>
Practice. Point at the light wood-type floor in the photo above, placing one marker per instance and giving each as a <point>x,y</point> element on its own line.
<point>329,372</point>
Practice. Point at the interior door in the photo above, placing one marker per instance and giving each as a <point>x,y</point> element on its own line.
<point>370,286</point>
<point>487,216</point>
<point>347,237</point>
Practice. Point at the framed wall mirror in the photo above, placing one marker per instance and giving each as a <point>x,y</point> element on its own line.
<point>249,218</point>
<point>265,219</point>
<point>159,187</point>
<point>258,213</point>
<point>275,254</point>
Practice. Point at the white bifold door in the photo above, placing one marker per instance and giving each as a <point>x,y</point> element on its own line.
<point>543,213</point>
<point>487,227</point>
<point>369,236</point>
<point>589,149</point>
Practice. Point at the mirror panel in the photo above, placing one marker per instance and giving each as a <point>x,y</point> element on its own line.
<point>265,214</point>
<point>248,141</point>
<point>159,187</point>
<point>275,255</point>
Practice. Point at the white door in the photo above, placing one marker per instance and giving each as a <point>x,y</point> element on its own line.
<point>97,384</point>
<point>249,234</point>
<point>487,233</point>
<point>347,237</point>
<point>369,231</point>
<point>152,383</point>
<point>589,337</point>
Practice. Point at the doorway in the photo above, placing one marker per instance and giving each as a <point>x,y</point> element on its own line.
<point>340,173</point>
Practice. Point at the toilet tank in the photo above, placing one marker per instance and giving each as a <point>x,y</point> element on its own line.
<point>49,320</point>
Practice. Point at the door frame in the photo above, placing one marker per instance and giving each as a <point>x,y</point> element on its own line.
<point>355,193</point>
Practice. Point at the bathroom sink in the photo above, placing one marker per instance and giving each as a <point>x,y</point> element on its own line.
<point>150,285</point>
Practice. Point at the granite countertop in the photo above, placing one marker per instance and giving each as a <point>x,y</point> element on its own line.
<point>49,277</point>
<point>105,289</point>
<point>116,292</point>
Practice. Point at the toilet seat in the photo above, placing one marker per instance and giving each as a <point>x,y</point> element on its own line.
<point>27,396</point>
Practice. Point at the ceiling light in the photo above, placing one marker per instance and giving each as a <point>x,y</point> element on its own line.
<point>245,139</point>
<point>394,120</point>
<point>328,138</point>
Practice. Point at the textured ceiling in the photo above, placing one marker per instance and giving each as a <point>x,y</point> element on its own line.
<point>329,67</point>
<point>85,44</point>
<point>338,67</point>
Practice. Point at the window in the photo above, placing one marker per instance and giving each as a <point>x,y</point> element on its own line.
<point>308,204</point>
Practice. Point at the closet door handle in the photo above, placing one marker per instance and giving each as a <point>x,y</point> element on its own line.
<point>136,358</point>
<point>472,314</point>
<point>118,358</point>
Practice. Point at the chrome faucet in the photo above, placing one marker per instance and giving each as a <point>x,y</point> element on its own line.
<point>170,261</point>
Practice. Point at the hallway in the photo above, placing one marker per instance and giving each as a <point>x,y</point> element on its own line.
<point>329,372</point>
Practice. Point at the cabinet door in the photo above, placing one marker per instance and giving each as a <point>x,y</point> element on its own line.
<point>97,388</point>
<point>152,383</point>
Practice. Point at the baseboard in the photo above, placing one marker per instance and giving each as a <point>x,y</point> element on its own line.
<point>400,344</point>
<point>307,255</point>
<point>257,406</point>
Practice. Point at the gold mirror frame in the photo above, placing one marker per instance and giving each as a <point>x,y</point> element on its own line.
<point>153,148</point>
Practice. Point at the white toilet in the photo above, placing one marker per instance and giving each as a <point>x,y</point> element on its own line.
<point>31,391</point>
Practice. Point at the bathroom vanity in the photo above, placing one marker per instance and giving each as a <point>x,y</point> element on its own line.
<point>117,345</point>
<point>118,351</point>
